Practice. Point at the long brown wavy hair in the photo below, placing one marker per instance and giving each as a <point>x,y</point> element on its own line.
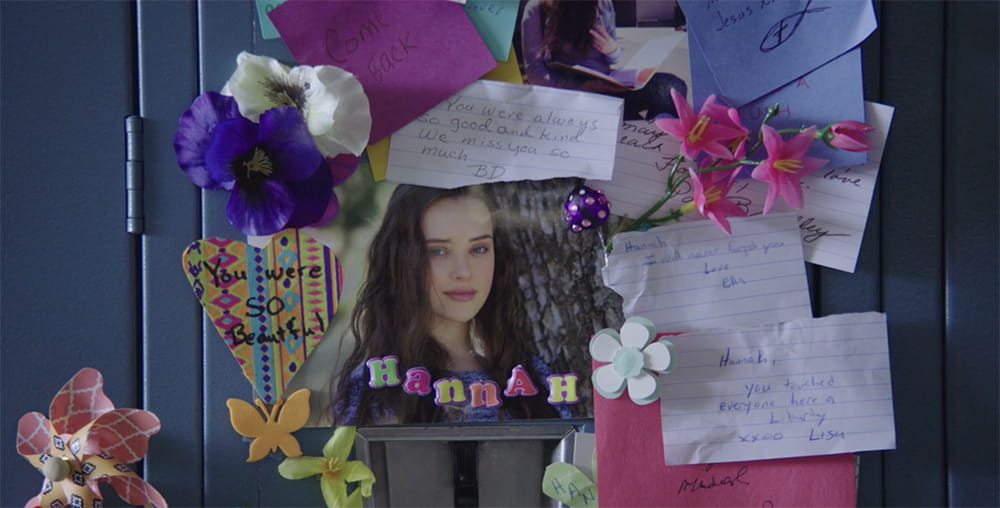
<point>393,312</point>
<point>566,26</point>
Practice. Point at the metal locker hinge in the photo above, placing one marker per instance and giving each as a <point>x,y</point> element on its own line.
<point>134,218</point>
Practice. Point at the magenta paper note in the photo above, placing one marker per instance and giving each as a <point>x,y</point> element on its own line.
<point>631,471</point>
<point>408,55</point>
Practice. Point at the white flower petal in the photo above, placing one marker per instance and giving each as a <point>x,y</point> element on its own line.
<point>607,382</point>
<point>644,388</point>
<point>604,345</point>
<point>321,101</point>
<point>637,332</point>
<point>336,109</point>
<point>658,356</point>
<point>352,120</point>
<point>249,83</point>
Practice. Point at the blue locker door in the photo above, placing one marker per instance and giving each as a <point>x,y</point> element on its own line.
<point>172,367</point>
<point>68,269</point>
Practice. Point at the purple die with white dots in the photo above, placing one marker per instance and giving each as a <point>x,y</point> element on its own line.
<point>585,208</point>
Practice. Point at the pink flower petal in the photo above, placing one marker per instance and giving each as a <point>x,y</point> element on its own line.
<point>79,401</point>
<point>33,434</point>
<point>124,433</point>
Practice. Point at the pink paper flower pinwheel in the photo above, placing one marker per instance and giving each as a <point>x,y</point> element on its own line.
<point>785,165</point>
<point>86,442</point>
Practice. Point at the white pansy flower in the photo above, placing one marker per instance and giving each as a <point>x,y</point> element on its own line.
<point>331,100</point>
<point>631,358</point>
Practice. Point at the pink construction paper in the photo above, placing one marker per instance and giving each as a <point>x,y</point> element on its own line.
<point>631,471</point>
<point>408,54</point>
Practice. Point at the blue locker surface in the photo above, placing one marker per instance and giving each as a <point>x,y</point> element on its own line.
<point>929,256</point>
<point>172,349</point>
<point>972,346</point>
<point>68,270</point>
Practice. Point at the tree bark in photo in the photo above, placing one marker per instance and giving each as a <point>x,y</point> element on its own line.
<point>566,300</point>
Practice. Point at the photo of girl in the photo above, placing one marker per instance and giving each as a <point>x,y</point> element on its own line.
<point>583,33</point>
<point>441,292</point>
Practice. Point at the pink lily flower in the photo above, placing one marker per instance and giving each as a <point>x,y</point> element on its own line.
<point>698,133</point>
<point>728,117</point>
<point>710,190</point>
<point>848,135</point>
<point>785,165</point>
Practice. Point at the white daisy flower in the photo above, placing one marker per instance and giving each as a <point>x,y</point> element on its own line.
<point>331,100</point>
<point>632,357</point>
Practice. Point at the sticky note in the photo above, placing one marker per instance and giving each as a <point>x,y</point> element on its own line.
<point>267,30</point>
<point>566,483</point>
<point>408,55</point>
<point>693,275</point>
<point>378,158</point>
<point>494,19</point>
<point>493,131</point>
<point>506,70</point>
<point>802,388</point>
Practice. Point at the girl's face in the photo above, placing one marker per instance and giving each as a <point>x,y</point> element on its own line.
<point>459,238</point>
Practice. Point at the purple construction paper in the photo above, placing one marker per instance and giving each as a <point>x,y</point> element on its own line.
<point>831,93</point>
<point>408,55</point>
<point>754,47</point>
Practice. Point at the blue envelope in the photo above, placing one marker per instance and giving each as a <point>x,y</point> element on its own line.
<point>831,93</point>
<point>754,47</point>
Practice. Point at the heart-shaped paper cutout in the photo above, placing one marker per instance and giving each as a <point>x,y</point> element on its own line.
<point>271,305</point>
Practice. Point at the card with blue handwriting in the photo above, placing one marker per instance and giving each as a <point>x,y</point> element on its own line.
<point>693,276</point>
<point>802,388</point>
<point>755,47</point>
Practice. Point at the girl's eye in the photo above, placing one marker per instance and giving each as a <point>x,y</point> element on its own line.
<point>437,251</point>
<point>480,249</point>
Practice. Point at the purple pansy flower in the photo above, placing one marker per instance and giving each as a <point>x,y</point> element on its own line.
<point>277,175</point>
<point>194,133</point>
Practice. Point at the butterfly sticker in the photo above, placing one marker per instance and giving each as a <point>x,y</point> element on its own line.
<point>285,417</point>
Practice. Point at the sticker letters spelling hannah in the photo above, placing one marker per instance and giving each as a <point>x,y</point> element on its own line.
<point>384,372</point>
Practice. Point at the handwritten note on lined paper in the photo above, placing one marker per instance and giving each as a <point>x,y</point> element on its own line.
<point>802,388</point>
<point>693,276</point>
<point>493,131</point>
<point>837,200</point>
<point>642,160</point>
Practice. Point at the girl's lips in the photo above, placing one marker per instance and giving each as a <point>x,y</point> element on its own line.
<point>462,295</point>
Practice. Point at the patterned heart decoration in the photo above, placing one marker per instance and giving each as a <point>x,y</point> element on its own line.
<point>271,305</point>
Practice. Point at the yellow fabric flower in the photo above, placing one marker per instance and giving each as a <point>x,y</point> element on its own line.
<point>334,471</point>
